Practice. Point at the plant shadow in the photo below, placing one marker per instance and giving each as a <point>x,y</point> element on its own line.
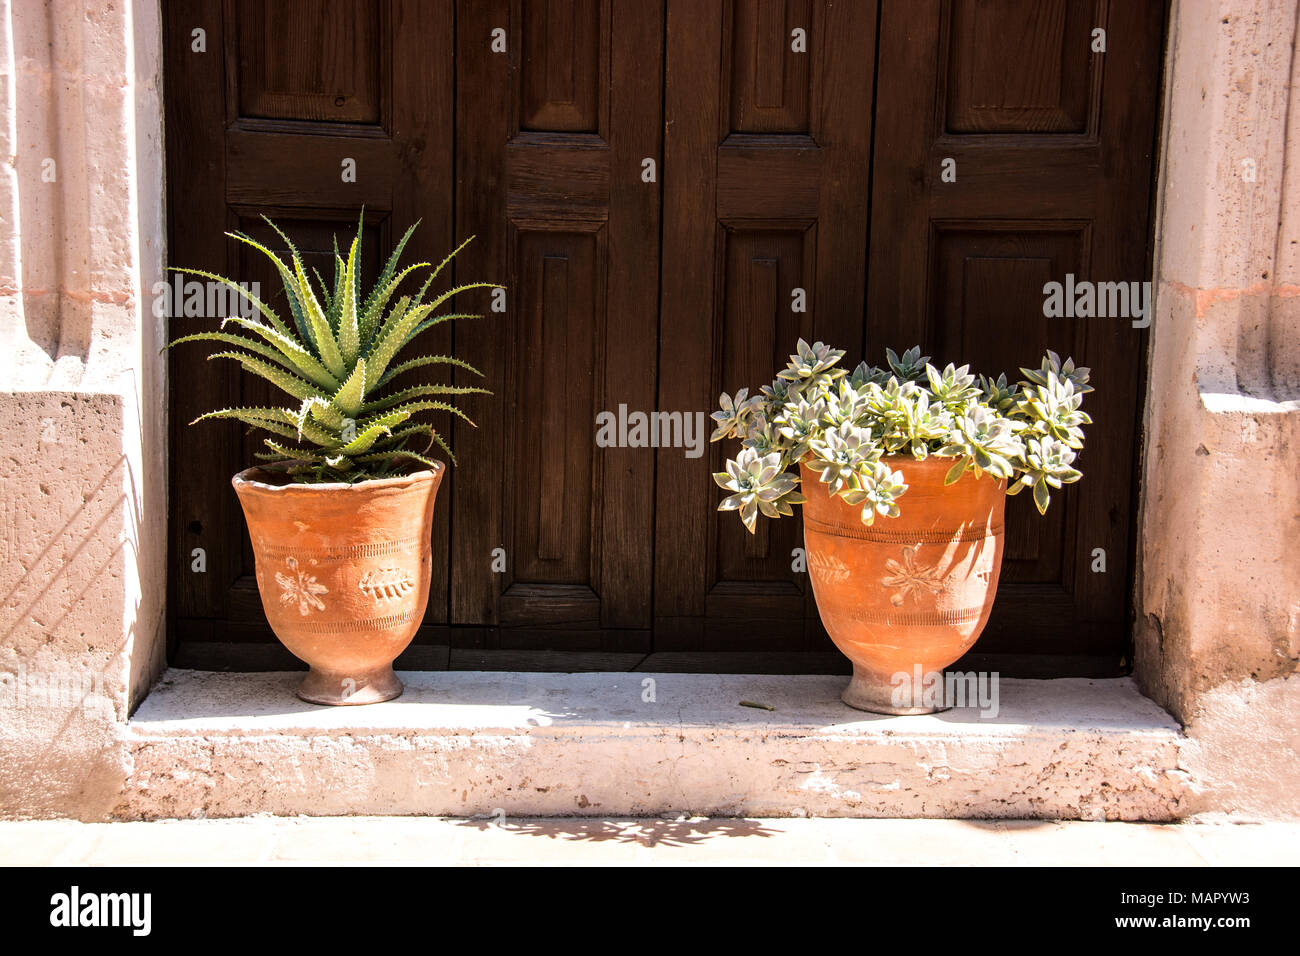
<point>648,833</point>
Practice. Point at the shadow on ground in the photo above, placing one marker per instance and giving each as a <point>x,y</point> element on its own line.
<point>650,833</point>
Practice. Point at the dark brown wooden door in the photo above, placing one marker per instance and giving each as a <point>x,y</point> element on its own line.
<point>660,187</point>
<point>1051,144</point>
<point>553,133</point>
<point>765,202</point>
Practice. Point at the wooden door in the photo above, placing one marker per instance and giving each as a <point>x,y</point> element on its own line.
<point>660,186</point>
<point>558,145</point>
<point>270,108</point>
<point>768,113</point>
<point>1048,144</point>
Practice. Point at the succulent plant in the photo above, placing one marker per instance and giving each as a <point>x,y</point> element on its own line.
<point>997,394</point>
<point>1054,409</point>
<point>1052,366</point>
<point>843,425</point>
<point>982,441</point>
<point>953,387</point>
<point>797,424</point>
<point>733,415</point>
<point>879,495</point>
<point>911,366</point>
<point>759,485</point>
<point>842,454</point>
<point>1048,464</point>
<point>337,362</point>
<point>811,361</point>
<point>758,435</point>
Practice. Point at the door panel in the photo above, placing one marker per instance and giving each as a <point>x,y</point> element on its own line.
<point>1053,149</point>
<point>767,194</point>
<point>551,140</point>
<point>769,82</point>
<point>339,77</point>
<point>1044,88</point>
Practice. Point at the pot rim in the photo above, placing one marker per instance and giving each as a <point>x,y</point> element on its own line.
<point>932,460</point>
<point>245,479</point>
<point>931,464</point>
<point>943,461</point>
<point>903,456</point>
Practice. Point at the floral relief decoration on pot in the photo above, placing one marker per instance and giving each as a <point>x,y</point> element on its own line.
<point>911,579</point>
<point>301,588</point>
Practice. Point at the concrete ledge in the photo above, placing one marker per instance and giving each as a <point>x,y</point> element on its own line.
<point>467,743</point>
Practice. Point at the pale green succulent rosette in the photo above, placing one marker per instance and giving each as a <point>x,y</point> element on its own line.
<point>841,425</point>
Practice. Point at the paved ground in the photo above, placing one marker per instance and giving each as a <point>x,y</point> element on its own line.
<point>416,840</point>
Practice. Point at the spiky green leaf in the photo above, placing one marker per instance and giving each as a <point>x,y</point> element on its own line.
<point>286,277</point>
<point>374,308</point>
<point>349,335</point>
<point>307,364</point>
<point>419,391</point>
<point>285,381</point>
<point>276,322</point>
<point>404,412</point>
<point>351,397</point>
<point>423,360</point>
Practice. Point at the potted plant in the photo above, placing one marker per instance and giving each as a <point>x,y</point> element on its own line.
<point>341,509</point>
<point>935,452</point>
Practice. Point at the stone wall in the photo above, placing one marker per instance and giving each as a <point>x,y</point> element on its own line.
<point>82,397</point>
<point>1218,594</point>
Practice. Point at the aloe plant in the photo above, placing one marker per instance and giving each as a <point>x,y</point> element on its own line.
<point>336,362</point>
<point>842,425</point>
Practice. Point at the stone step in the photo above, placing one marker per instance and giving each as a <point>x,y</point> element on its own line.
<point>605,744</point>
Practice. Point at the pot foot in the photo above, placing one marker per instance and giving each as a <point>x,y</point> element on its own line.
<point>371,687</point>
<point>882,695</point>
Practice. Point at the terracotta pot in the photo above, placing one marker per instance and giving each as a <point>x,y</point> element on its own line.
<point>343,571</point>
<point>907,595</point>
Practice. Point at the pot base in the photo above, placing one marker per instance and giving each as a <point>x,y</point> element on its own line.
<point>321,687</point>
<point>876,694</point>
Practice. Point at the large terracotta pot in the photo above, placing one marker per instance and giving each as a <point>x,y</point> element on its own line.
<point>343,571</point>
<point>907,595</point>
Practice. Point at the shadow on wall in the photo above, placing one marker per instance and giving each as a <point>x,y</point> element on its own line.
<point>63,602</point>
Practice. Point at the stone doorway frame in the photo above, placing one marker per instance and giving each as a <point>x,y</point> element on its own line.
<point>83,506</point>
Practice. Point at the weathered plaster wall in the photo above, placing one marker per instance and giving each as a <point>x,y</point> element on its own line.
<point>82,407</point>
<point>1218,625</point>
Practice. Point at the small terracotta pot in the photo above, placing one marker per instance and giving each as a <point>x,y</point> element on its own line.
<point>908,592</point>
<point>343,571</point>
